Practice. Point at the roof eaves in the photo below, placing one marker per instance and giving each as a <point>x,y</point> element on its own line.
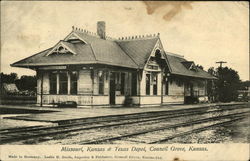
<point>197,76</point>
<point>51,64</point>
<point>73,63</point>
<point>16,63</point>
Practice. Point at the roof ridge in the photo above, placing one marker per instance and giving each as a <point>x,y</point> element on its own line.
<point>87,32</point>
<point>139,37</point>
<point>93,52</point>
<point>174,54</point>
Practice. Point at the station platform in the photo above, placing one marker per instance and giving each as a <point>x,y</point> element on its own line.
<point>61,114</point>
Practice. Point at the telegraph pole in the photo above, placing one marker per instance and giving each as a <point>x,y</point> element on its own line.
<point>221,62</point>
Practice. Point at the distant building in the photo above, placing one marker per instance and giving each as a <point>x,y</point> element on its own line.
<point>9,88</point>
<point>244,94</point>
<point>93,69</point>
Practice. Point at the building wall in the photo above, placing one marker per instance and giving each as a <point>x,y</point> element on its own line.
<point>178,99</point>
<point>88,93</point>
<point>150,100</point>
<point>80,99</point>
<point>175,89</point>
<point>200,87</point>
<point>143,83</point>
<point>87,89</point>
<point>84,82</point>
<point>119,100</point>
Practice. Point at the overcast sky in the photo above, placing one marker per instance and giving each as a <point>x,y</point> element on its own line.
<point>204,32</point>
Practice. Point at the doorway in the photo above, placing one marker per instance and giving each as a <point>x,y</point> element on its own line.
<point>112,88</point>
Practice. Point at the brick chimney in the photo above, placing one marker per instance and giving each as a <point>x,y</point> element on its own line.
<point>101,29</point>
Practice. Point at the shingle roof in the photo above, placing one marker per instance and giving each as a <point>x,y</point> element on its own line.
<point>125,53</point>
<point>138,50</point>
<point>178,68</point>
<point>96,51</point>
<point>84,55</point>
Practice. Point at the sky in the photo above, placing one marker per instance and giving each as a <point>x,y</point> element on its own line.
<point>203,32</point>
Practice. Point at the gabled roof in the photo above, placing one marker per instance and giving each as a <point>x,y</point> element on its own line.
<point>139,50</point>
<point>97,51</point>
<point>130,53</point>
<point>178,68</point>
<point>84,55</point>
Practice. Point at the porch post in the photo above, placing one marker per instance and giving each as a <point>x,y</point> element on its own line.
<point>41,93</point>
<point>161,87</point>
<point>57,83</point>
<point>92,79</point>
<point>139,84</point>
<point>68,74</point>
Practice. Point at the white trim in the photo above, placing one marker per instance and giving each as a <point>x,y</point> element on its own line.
<point>74,34</point>
<point>191,66</point>
<point>59,44</point>
<point>158,45</point>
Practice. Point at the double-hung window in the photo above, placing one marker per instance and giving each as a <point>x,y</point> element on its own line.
<point>73,82</point>
<point>63,83</point>
<point>53,83</point>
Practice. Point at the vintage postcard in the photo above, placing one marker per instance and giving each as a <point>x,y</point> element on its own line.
<point>124,81</point>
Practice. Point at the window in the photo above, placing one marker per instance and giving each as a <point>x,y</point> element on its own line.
<point>122,83</point>
<point>101,82</point>
<point>118,81</point>
<point>147,84</point>
<point>63,83</point>
<point>166,87</point>
<point>73,82</point>
<point>134,84</point>
<point>155,84</point>
<point>52,83</point>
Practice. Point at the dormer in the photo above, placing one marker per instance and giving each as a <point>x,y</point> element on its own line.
<point>189,65</point>
<point>74,38</point>
<point>61,49</point>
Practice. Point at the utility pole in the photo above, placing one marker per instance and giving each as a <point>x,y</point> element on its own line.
<point>221,62</point>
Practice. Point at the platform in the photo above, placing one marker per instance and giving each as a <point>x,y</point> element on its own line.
<point>76,113</point>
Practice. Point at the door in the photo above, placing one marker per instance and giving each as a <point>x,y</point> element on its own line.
<point>112,87</point>
<point>191,90</point>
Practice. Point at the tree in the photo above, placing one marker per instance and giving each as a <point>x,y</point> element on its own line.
<point>227,84</point>
<point>225,88</point>
<point>24,83</point>
<point>8,78</point>
<point>199,66</point>
<point>212,71</point>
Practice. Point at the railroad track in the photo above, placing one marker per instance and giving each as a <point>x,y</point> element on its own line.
<point>237,117</point>
<point>11,135</point>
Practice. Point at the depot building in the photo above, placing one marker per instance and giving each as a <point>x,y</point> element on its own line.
<point>93,69</point>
